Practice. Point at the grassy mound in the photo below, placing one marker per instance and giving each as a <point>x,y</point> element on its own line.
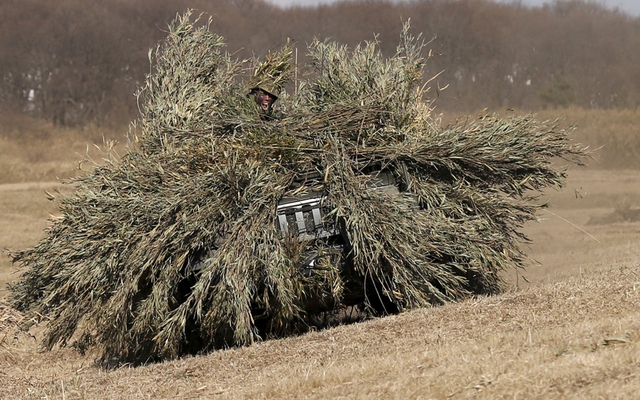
<point>175,246</point>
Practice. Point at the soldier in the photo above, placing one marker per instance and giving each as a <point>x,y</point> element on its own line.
<point>268,79</point>
<point>264,99</point>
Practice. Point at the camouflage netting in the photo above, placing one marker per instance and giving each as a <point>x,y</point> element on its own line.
<point>206,170</point>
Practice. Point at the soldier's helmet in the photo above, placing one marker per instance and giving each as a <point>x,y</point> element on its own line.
<point>271,74</point>
<point>262,87</point>
<point>263,98</point>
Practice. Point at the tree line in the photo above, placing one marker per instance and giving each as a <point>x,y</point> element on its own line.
<point>77,62</point>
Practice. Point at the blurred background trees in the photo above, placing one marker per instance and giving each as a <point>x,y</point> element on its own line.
<point>79,62</point>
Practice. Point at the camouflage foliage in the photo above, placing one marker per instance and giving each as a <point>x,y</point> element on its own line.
<point>203,177</point>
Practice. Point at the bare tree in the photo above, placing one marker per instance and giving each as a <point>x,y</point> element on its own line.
<point>79,62</point>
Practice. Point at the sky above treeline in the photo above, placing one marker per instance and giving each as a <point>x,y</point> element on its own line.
<point>631,7</point>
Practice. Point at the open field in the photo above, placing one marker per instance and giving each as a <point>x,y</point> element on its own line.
<point>568,327</point>
<point>36,151</point>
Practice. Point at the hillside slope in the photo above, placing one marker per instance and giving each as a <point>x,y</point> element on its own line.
<point>572,332</point>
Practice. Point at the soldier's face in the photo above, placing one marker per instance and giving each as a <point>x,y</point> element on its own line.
<point>264,100</point>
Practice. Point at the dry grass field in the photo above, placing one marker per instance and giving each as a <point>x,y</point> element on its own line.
<point>568,327</point>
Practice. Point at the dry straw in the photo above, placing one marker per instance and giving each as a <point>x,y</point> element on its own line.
<point>204,176</point>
